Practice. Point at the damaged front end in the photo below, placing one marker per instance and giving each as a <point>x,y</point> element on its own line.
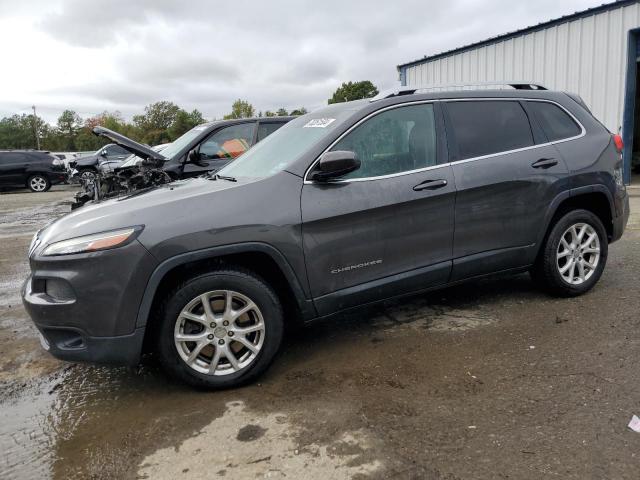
<point>146,173</point>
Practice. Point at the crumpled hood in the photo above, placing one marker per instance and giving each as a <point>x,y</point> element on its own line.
<point>165,203</point>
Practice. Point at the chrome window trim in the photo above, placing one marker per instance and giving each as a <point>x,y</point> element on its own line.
<point>583,132</point>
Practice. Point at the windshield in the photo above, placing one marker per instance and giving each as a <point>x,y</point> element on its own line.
<point>183,141</point>
<point>282,148</point>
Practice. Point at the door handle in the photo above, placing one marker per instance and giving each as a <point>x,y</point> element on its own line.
<point>545,163</point>
<point>431,185</point>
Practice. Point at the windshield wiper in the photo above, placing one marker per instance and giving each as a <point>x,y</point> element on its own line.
<point>224,177</point>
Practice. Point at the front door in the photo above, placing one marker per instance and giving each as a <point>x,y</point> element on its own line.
<point>222,147</point>
<point>386,228</point>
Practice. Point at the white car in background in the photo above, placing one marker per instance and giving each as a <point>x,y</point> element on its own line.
<point>66,157</point>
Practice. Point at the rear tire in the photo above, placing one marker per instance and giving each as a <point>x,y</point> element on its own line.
<point>38,183</point>
<point>573,256</point>
<point>217,346</point>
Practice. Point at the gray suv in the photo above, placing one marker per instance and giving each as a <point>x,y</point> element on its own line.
<point>352,204</point>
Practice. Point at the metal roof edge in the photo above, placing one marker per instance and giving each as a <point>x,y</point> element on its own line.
<point>516,33</point>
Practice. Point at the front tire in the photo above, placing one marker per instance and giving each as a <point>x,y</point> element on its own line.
<point>38,183</point>
<point>220,330</point>
<point>574,255</point>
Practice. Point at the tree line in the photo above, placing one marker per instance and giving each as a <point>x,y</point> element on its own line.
<point>161,122</point>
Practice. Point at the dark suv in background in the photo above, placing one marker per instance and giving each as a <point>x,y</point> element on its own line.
<point>350,205</point>
<point>34,169</point>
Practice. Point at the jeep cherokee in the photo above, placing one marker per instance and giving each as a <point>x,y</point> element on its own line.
<point>352,204</point>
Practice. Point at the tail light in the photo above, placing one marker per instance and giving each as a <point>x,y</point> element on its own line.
<point>617,140</point>
<point>618,173</point>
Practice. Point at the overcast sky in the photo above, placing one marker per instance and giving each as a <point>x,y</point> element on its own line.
<point>121,55</point>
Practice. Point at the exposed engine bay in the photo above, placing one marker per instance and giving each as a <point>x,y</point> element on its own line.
<point>121,181</point>
<point>145,173</point>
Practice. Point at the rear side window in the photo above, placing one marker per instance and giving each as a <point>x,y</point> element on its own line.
<point>266,129</point>
<point>13,157</point>
<point>554,121</point>
<point>486,127</point>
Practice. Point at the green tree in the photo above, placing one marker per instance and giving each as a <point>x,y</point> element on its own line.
<point>241,109</point>
<point>19,131</point>
<point>153,124</point>
<point>184,122</point>
<point>69,122</point>
<point>86,140</point>
<point>299,111</point>
<point>349,91</point>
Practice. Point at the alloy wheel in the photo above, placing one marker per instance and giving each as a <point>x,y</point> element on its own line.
<point>219,332</point>
<point>38,184</point>
<point>578,253</point>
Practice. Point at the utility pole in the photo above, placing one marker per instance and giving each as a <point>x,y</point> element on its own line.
<point>35,127</point>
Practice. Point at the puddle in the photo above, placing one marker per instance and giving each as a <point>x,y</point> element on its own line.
<point>242,444</point>
<point>39,419</point>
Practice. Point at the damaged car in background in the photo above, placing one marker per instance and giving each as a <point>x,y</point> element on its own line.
<point>203,149</point>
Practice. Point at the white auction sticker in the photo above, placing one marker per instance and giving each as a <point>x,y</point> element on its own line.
<point>319,123</point>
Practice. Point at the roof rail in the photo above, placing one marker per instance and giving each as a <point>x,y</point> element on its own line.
<point>519,85</point>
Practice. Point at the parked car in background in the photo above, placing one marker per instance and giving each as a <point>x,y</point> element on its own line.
<point>66,157</point>
<point>34,169</point>
<point>203,149</point>
<point>350,205</point>
<point>207,147</point>
<point>88,166</point>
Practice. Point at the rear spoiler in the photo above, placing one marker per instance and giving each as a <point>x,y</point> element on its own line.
<point>136,148</point>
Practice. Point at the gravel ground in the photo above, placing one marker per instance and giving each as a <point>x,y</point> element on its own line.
<point>487,380</point>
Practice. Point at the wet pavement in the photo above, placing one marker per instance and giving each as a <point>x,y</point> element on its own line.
<point>492,379</point>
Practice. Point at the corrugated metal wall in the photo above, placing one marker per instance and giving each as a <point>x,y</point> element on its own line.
<point>587,56</point>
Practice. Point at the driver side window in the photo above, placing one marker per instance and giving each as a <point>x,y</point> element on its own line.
<point>230,142</point>
<point>394,141</point>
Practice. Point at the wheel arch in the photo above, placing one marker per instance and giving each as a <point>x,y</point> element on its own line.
<point>594,198</point>
<point>260,258</point>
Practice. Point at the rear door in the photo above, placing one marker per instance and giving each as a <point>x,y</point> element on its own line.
<point>386,228</point>
<point>506,176</point>
<point>13,169</point>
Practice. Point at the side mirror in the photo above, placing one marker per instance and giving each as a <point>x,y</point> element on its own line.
<point>335,164</point>
<point>194,157</point>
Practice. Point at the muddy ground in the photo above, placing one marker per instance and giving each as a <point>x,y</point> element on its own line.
<point>492,379</point>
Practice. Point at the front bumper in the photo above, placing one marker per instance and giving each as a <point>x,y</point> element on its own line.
<point>86,305</point>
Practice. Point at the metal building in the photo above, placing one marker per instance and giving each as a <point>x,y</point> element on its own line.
<point>593,53</point>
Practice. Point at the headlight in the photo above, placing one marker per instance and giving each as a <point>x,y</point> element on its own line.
<point>93,243</point>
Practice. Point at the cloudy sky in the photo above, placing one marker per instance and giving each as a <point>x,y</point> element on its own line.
<point>123,54</point>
